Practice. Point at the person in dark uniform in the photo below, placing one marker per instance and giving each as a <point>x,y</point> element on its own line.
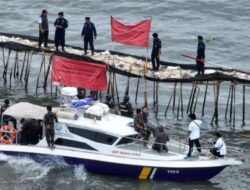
<point>43,29</point>
<point>23,131</point>
<point>126,107</point>
<point>89,33</point>
<point>109,102</point>
<point>49,119</point>
<point>156,52</point>
<point>61,24</point>
<point>93,95</point>
<point>200,56</point>
<point>81,92</point>
<point>29,131</point>
<point>161,140</point>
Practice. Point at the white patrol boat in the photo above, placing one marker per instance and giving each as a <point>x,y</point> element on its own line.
<point>105,143</point>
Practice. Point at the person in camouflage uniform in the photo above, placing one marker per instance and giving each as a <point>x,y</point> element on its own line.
<point>48,120</point>
<point>140,127</point>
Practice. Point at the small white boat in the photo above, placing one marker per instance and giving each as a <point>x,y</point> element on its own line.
<point>107,143</point>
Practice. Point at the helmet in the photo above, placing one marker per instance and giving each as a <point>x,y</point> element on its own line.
<point>126,98</point>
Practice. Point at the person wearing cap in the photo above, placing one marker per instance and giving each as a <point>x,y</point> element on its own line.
<point>219,149</point>
<point>61,24</point>
<point>193,134</point>
<point>88,34</point>
<point>140,127</point>
<point>156,52</point>
<point>200,56</point>
<point>126,107</point>
<point>43,29</point>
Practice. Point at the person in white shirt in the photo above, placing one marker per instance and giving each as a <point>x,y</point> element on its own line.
<point>219,149</point>
<point>193,134</point>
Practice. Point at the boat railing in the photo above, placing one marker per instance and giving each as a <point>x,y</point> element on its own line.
<point>182,147</point>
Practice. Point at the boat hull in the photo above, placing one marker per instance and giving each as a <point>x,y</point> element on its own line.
<point>128,170</point>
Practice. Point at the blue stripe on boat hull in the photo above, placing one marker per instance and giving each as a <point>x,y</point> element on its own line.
<point>168,174</point>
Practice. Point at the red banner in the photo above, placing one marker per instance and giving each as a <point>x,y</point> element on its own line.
<point>134,34</point>
<point>77,73</point>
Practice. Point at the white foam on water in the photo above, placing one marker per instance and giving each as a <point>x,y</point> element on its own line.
<point>26,168</point>
<point>80,173</point>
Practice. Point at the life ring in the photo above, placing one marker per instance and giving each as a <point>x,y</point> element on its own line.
<point>7,134</point>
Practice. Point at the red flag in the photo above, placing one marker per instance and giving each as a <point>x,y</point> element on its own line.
<point>134,34</point>
<point>77,73</point>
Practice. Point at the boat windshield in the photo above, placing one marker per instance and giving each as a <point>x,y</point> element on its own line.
<point>127,139</point>
<point>93,135</point>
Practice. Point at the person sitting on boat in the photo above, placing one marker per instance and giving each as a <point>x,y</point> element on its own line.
<point>219,149</point>
<point>23,131</point>
<point>29,131</point>
<point>110,104</point>
<point>140,127</point>
<point>145,115</point>
<point>49,119</point>
<point>81,93</point>
<point>126,107</point>
<point>7,118</point>
<point>93,95</point>
<point>161,140</point>
<point>156,52</point>
<point>193,134</point>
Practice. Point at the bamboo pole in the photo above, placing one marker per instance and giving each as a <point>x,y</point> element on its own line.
<point>179,102</point>
<point>173,108</point>
<point>190,97</point>
<point>137,89</point>
<point>145,84</point>
<point>3,57</point>
<point>40,70</point>
<point>243,105</point>
<point>234,105</point>
<point>28,71</point>
<point>193,96</point>
<point>48,70</point>
<point>182,109</point>
<point>169,102</point>
<point>154,94</point>
<point>116,89</point>
<point>6,68</point>
<point>24,61</point>
<point>204,101</point>
<point>231,104</point>
<point>228,98</point>
<point>157,99</point>
<point>128,81</point>
<point>196,99</point>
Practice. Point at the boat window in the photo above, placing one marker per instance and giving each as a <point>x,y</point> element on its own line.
<point>93,135</point>
<point>127,140</point>
<point>73,144</point>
